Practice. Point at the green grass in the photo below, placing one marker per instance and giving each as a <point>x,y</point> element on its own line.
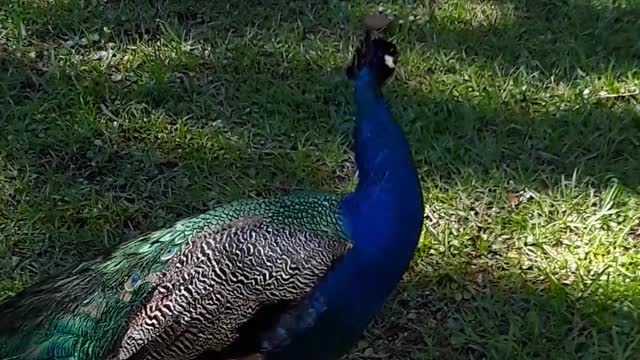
<point>119,117</point>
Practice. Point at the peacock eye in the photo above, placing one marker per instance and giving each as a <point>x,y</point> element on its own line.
<point>132,282</point>
<point>168,253</point>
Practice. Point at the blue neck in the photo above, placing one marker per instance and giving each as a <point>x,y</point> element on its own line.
<point>383,219</point>
<point>384,214</point>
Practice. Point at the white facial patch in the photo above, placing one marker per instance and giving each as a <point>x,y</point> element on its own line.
<point>390,61</point>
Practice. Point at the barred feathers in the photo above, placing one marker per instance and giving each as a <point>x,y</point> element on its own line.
<point>178,291</point>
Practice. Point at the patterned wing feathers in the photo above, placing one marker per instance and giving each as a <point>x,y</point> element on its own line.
<point>218,282</point>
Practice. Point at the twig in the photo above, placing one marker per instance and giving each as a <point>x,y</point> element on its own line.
<point>109,113</point>
<point>633,93</point>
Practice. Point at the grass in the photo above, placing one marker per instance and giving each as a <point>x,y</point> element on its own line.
<point>120,117</point>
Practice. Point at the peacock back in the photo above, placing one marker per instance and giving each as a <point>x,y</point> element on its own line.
<point>178,291</point>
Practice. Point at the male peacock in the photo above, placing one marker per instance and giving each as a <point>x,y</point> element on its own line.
<point>288,278</point>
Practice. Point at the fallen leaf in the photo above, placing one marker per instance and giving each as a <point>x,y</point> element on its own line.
<point>514,198</point>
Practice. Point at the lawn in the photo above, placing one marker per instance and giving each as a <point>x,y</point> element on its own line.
<point>119,117</point>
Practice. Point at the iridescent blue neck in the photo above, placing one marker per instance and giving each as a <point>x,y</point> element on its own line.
<point>378,139</point>
<point>383,219</point>
<point>385,211</point>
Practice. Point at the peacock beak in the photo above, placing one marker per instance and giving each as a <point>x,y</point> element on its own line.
<point>390,61</point>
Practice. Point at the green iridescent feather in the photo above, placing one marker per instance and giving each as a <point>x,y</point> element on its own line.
<point>81,314</point>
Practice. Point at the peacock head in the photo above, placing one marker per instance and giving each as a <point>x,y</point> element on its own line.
<point>378,55</point>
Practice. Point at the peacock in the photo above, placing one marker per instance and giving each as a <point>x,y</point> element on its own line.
<point>291,277</point>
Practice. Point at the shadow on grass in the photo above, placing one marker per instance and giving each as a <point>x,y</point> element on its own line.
<point>450,137</point>
<point>456,312</point>
<point>555,39</point>
<point>141,20</point>
<point>559,39</point>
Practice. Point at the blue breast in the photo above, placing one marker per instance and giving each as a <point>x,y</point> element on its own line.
<point>383,218</point>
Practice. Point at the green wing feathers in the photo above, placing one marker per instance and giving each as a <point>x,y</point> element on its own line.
<point>104,307</point>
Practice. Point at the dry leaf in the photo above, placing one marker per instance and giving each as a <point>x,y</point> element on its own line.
<point>514,198</point>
